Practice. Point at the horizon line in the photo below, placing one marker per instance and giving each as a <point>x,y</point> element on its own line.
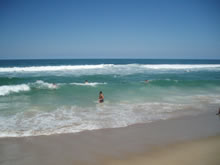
<point>110,59</point>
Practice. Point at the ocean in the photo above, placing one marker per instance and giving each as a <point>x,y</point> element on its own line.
<point>43,97</point>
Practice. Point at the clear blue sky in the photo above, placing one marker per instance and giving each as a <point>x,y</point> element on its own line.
<point>110,29</point>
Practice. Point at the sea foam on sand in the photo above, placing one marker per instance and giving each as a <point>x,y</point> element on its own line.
<point>152,143</point>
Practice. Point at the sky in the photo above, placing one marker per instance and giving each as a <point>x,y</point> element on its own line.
<point>53,29</point>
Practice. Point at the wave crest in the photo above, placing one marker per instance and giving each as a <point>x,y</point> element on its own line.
<point>93,84</point>
<point>111,67</point>
<point>52,68</point>
<point>42,84</point>
<point>7,89</point>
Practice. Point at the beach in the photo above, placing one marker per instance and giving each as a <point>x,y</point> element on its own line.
<point>181,140</point>
<point>201,152</point>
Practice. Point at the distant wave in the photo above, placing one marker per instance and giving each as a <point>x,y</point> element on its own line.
<point>182,66</point>
<point>88,84</point>
<point>42,84</point>
<point>109,67</point>
<point>7,89</point>
<point>52,68</point>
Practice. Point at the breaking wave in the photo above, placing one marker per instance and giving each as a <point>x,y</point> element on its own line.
<point>39,84</point>
<point>93,84</point>
<point>51,68</point>
<point>42,84</point>
<point>7,89</point>
<point>110,67</point>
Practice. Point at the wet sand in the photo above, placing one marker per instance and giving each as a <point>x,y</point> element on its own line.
<point>153,143</point>
<point>201,152</point>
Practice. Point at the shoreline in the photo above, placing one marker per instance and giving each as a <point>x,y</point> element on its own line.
<point>212,112</point>
<point>95,146</point>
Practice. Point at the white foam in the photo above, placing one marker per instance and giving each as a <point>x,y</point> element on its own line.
<point>51,68</point>
<point>182,66</point>
<point>42,84</point>
<point>93,84</point>
<point>7,89</point>
<point>112,68</point>
<point>34,122</point>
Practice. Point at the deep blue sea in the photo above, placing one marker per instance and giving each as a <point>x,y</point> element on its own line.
<point>43,97</point>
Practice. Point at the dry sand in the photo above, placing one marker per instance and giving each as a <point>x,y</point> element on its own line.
<point>155,143</point>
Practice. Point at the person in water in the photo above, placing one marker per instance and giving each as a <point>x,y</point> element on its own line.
<point>101,97</point>
<point>86,82</point>
<point>54,85</point>
<point>218,112</point>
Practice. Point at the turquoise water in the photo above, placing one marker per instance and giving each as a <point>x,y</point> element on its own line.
<point>41,97</point>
